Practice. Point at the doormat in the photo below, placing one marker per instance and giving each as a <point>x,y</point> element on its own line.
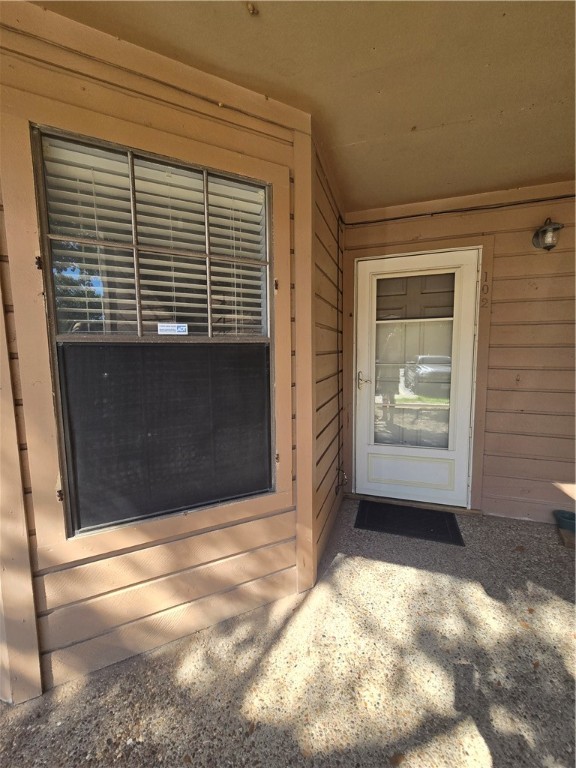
<point>414,522</point>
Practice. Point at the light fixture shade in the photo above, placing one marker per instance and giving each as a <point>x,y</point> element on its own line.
<point>546,236</point>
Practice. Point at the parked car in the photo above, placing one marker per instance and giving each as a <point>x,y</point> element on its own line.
<point>428,373</point>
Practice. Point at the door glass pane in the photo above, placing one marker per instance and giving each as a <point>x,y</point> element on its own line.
<point>413,363</point>
<point>415,297</point>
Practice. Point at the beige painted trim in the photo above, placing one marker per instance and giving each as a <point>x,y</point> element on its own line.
<point>470,202</point>
<point>486,246</point>
<point>77,48</point>
<point>143,129</point>
<point>348,341</point>
<point>372,239</point>
<point>326,174</point>
<point>483,315</point>
<point>54,548</point>
<point>21,677</point>
<point>306,556</point>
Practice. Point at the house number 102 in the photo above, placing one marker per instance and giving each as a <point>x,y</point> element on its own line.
<point>484,290</point>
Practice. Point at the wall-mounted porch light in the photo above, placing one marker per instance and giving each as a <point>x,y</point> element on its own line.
<point>546,236</point>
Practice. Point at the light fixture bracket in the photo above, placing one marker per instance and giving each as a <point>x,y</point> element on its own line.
<point>546,236</point>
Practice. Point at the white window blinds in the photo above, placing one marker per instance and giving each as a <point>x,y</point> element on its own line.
<point>137,242</point>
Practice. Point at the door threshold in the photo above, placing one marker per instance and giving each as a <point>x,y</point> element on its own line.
<point>409,503</point>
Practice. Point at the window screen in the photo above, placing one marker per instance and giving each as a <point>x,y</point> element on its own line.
<point>158,280</point>
<point>154,428</point>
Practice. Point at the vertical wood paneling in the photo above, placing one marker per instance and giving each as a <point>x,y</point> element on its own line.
<point>524,430</point>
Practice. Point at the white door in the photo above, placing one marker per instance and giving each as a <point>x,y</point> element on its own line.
<point>415,337</point>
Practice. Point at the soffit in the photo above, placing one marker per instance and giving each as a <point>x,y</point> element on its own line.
<point>411,101</point>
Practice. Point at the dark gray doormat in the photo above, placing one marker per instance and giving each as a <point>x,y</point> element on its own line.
<point>409,521</point>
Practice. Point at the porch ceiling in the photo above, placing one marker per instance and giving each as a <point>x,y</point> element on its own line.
<point>412,101</point>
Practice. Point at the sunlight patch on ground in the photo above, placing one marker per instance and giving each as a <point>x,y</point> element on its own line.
<point>507,723</point>
<point>548,617</point>
<point>352,668</point>
<point>356,654</point>
<point>461,746</point>
<point>550,762</point>
<point>538,615</point>
<point>235,647</point>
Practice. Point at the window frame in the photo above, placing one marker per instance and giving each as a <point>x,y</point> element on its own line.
<point>46,239</point>
<point>280,494</point>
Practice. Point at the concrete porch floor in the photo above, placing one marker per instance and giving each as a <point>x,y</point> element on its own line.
<point>406,652</point>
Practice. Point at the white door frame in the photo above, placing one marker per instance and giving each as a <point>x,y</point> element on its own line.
<point>400,263</point>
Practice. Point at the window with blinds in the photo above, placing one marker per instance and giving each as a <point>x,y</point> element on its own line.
<point>141,250</point>
<point>138,243</point>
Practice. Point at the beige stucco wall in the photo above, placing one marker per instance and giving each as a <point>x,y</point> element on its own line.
<point>98,598</point>
<point>523,446</point>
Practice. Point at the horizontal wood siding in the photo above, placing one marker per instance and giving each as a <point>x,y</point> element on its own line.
<point>80,621</point>
<point>74,584</point>
<point>163,627</point>
<point>530,399</point>
<point>101,598</point>
<point>96,613</point>
<point>526,434</point>
<point>328,371</point>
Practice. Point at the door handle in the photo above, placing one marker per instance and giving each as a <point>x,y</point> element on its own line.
<point>360,380</point>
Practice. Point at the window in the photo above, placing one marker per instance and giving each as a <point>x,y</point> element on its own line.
<point>158,303</point>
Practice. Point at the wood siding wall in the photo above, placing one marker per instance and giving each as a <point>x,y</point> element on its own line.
<point>19,660</point>
<point>328,370</point>
<point>524,426</point>
<point>103,597</point>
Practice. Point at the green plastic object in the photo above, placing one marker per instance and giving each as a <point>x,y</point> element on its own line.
<point>565,519</point>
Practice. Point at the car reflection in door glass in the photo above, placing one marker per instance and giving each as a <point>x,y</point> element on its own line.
<point>428,374</point>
